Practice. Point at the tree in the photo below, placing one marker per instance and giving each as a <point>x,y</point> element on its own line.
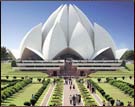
<point>123,77</point>
<point>14,77</point>
<point>7,76</point>
<point>33,101</point>
<point>39,79</point>
<point>99,79</point>
<point>22,78</point>
<point>13,63</point>
<point>112,102</point>
<point>115,78</point>
<point>107,79</point>
<point>128,55</point>
<point>27,103</point>
<point>4,53</point>
<point>130,77</point>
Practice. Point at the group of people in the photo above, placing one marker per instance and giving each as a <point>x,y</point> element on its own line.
<point>68,81</point>
<point>129,103</point>
<point>75,99</point>
<point>117,103</point>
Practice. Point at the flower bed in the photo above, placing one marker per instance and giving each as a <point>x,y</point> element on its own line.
<point>56,98</point>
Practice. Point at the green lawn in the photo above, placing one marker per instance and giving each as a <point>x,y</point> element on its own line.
<point>130,66</point>
<point>131,81</point>
<point>115,92</point>
<point>118,73</point>
<point>23,95</point>
<point>6,69</point>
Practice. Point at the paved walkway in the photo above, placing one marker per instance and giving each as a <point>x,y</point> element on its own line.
<point>67,92</point>
<point>96,97</point>
<point>46,98</point>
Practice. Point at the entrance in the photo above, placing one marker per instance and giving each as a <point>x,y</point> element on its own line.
<point>82,73</point>
<point>54,73</point>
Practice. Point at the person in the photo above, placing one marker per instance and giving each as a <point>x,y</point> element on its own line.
<point>73,86</point>
<point>129,104</point>
<point>70,87</point>
<point>93,90</point>
<point>71,82</point>
<point>108,103</point>
<point>74,100</point>
<point>32,95</point>
<point>54,81</point>
<point>79,98</point>
<point>70,98</point>
<point>103,102</point>
<point>117,102</point>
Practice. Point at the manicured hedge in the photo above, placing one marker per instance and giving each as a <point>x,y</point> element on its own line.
<point>9,85</point>
<point>8,92</point>
<point>39,92</point>
<point>105,95</point>
<point>88,100</point>
<point>123,86</point>
<point>56,98</point>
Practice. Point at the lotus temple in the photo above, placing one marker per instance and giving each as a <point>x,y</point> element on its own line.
<point>68,44</point>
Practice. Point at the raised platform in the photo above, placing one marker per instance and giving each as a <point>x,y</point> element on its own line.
<point>68,67</point>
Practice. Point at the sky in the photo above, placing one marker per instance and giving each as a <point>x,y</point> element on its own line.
<point>18,17</point>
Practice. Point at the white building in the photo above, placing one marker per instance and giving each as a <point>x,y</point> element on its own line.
<point>68,33</point>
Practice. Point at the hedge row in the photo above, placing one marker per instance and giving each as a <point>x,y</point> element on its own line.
<point>123,86</point>
<point>56,98</point>
<point>6,93</point>
<point>38,94</point>
<point>88,100</point>
<point>103,93</point>
<point>9,85</point>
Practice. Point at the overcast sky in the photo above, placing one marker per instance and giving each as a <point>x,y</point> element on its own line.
<point>19,17</point>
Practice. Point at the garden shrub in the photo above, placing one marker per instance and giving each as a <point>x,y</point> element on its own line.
<point>33,101</point>
<point>12,105</point>
<point>9,91</point>
<point>112,101</point>
<point>57,94</point>
<point>27,103</point>
<point>123,86</point>
<point>99,79</point>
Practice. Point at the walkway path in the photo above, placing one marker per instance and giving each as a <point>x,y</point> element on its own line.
<point>47,96</point>
<point>68,92</point>
<point>96,97</point>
